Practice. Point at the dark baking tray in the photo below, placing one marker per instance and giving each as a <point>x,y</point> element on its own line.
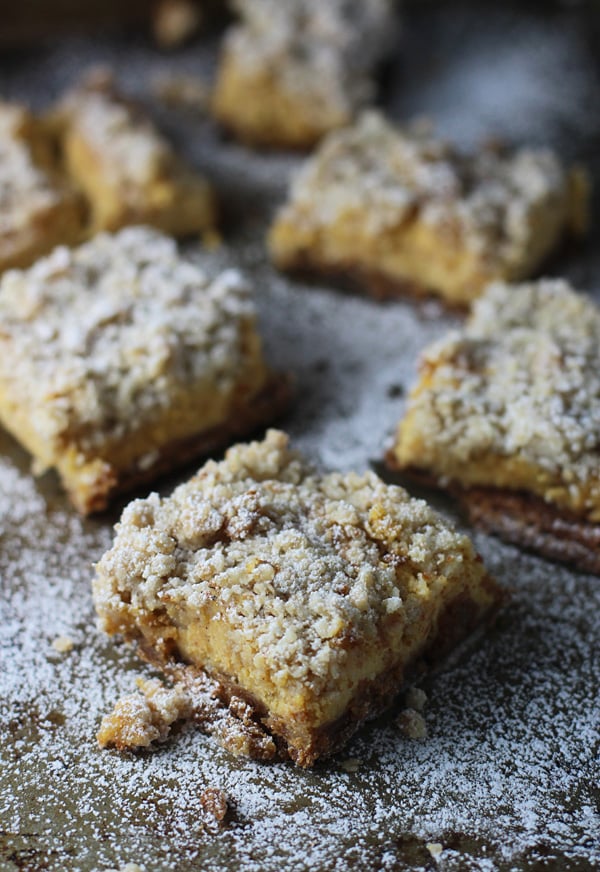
<point>508,777</point>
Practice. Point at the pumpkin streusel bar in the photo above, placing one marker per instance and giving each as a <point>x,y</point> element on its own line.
<point>121,359</point>
<point>127,170</point>
<point>400,210</point>
<point>38,208</point>
<point>506,414</point>
<point>310,597</point>
<point>291,72</point>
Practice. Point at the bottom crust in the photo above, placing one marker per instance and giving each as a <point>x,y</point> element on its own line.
<point>259,410</point>
<point>522,519</point>
<point>528,521</point>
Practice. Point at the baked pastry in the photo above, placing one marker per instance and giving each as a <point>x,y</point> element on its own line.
<point>310,596</point>
<point>506,414</point>
<point>399,210</point>
<point>125,167</point>
<point>290,72</point>
<point>120,359</point>
<point>38,209</point>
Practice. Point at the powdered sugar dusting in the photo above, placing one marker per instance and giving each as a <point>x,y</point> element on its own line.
<point>506,776</point>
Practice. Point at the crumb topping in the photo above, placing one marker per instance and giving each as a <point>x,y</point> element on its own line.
<point>25,189</point>
<point>298,564</point>
<point>521,379</point>
<point>323,53</point>
<point>389,176</point>
<point>132,151</point>
<point>99,339</point>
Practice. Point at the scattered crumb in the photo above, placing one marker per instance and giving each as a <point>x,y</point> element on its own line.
<point>214,801</point>
<point>183,92</point>
<point>352,764</point>
<point>434,848</point>
<point>175,22</point>
<point>412,724</point>
<point>415,698</point>
<point>63,644</point>
<point>139,719</point>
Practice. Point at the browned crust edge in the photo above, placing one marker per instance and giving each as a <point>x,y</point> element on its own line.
<point>372,697</point>
<point>521,519</point>
<point>259,410</point>
<point>354,277</point>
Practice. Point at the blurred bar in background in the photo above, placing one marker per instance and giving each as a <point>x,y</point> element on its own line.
<point>29,21</point>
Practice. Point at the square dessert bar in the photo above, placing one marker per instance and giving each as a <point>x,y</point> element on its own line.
<point>506,413</point>
<point>120,359</point>
<point>127,170</point>
<point>399,210</point>
<point>290,72</point>
<point>38,209</point>
<point>312,597</point>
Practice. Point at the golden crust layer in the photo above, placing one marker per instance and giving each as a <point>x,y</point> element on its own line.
<point>127,170</point>
<point>309,596</point>
<point>403,209</point>
<point>121,359</point>
<point>291,72</point>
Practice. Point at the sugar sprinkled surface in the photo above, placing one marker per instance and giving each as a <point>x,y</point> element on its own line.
<point>507,775</point>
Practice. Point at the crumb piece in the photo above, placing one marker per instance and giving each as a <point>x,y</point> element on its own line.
<point>63,644</point>
<point>183,92</point>
<point>352,764</point>
<point>175,22</point>
<point>139,719</point>
<point>415,698</point>
<point>215,802</point>
<point>435,849</point>
<point>412,724</point>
